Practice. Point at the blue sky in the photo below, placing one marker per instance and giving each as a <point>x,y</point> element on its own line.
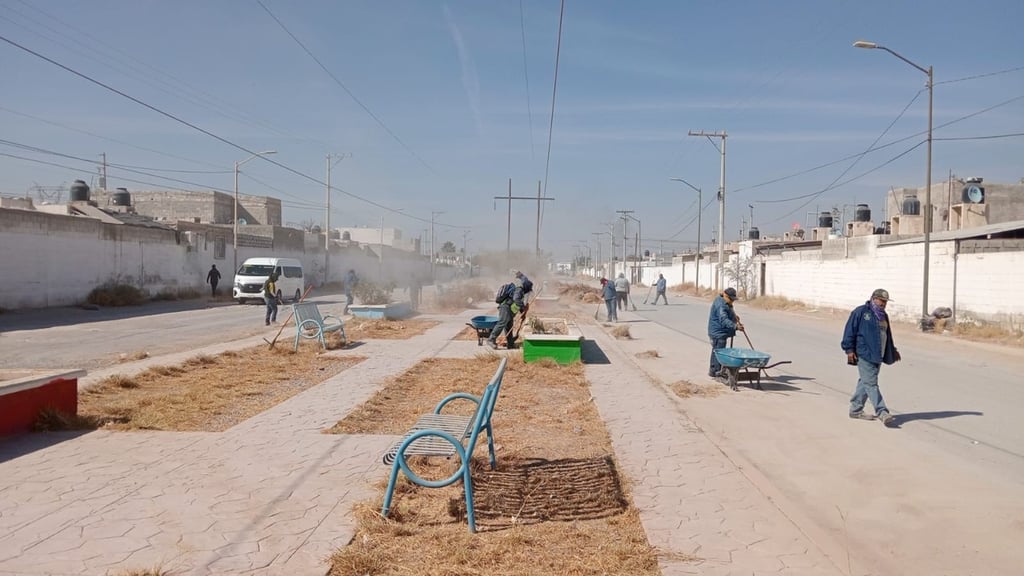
<point>447,83</point>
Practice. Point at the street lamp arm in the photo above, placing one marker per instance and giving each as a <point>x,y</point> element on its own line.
<point>695,189</point>
<point>873,46</point>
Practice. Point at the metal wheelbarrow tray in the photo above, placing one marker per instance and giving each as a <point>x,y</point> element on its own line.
<point>483,326</point>
<point>744,364</point>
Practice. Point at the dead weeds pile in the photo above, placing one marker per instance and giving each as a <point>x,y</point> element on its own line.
<point>648,354</point>
<point>381,329</point>
<point>686,389</point>
<point>554,505</point>
<point>579,292</point>
<point>205,393</point>
<point>460,296</point>
<point>981,332</point>
<point>775,303</point>
<point>621,332</point>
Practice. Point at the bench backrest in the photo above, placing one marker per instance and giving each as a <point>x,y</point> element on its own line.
<point>307,311</point>
<point>482,417</point>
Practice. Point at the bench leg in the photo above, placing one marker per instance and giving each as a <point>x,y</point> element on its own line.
<point>391,489</point>
<point>295,348</point>
<point>467,483</point>
<point>490,446</point>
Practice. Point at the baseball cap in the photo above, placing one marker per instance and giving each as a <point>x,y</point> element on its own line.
<point>731,293</point>
<point>880,293</point>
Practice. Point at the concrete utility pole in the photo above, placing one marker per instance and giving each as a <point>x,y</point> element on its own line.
<point>103,173</point>
<point>625,237</point>
<point>234,231</point>
<point>433,214</point>
<point>721,201</point>
<point>332,159</point>
<point>510,198</point>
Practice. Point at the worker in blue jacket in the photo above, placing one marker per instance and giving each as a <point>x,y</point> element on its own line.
<point>723,322</point>
<point>868,344</point>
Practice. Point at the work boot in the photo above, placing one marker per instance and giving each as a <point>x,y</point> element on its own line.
<point>492,344</point>
<point>888,420</point>
<point>860,415</point>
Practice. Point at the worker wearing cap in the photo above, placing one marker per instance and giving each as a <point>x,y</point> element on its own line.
<point>868,344</point>
<point>723,322</point>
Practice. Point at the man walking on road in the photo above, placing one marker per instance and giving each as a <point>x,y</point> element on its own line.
<point>723,322</point>
<point>659,289</point>
<point>213,278</point>
<point>868,343</point>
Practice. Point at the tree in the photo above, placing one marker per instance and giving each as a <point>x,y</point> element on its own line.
<point>448,247</point>
<point>740,273</point>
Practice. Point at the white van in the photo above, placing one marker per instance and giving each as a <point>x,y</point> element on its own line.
<point>249,278</point>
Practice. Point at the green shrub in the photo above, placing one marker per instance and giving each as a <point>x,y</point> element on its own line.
<point>113,294</point>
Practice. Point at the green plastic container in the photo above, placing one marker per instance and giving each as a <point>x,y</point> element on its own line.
<point>561,351</point>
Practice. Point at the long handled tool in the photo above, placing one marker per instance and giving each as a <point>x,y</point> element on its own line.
<point>648,294</point>
<point>288,319</point>
<point>629,297</point>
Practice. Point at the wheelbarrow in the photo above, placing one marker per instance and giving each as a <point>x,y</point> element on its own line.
<point>744,365</point>
<point>483,326</point>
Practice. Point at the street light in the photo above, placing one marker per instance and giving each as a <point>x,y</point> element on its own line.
<point>611,249</point>
<point>237,165</point>
<point>700,208</point>
<point>928,174</point>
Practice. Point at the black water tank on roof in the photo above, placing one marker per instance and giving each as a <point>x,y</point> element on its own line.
<point>825,220</point>
<point>862,213</point>
<point>911,205</point>
<point>754,233</point>
<point>122,197</point>
<point>79,191</point>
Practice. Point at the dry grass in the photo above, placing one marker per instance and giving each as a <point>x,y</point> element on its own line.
<point>621,332</point>
<point>648,354</point>
<point>554,505</point>
<point>205,393</point>
<point>688,288</point>
<point>380,329</point>
<point>686,389</point>
<point>578,292</point>
<point>113,294</point>
<point>979,332</point>
<point>547,326</point>
<point>775,303</point>
<point>157,571</point>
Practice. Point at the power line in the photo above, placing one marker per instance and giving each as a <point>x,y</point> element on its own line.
<point>854,163</point>
<point>264,158</point>
<point>94,135</point>
<point>554,91</point>
<point>844,183</point>
<point>976,76</point>
<point>345,88</point>
<point>526,77</point>
<point>991,137</point>
<point>176,87</point>
<point>883,146</point>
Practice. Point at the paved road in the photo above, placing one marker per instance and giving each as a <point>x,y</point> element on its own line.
<point>90,339</point>
<point>944,493</point>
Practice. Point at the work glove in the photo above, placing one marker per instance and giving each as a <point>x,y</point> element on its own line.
<point>515,309</point>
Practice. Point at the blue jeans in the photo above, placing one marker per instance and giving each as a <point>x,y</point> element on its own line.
<point>717,343</point>
<point>348,301</point>
<point>613,314</point>
<point>867,388</point>
<point>271,303</point>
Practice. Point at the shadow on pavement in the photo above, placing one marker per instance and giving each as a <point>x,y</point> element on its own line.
<point>776,385</point>
<point>938,415</point>
<point>591,353</point>
<point>12,447</point>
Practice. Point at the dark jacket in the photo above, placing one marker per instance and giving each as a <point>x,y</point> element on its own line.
<point>722,320</point>
<point>516,297</point>
<point>863,336</point>
<point>213,276</point>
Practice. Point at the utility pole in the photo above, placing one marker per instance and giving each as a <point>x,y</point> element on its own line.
<point>510,198</point>
<point>465,254</point>
<point>721,200</point>
<point>332,159</point>
<point>625,237</point>
<point>433,214</point>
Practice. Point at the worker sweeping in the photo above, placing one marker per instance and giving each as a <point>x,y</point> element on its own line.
<point>723,322</point>
<point>509,299</point>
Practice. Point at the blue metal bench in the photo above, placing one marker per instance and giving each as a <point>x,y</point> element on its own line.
<point>446,435</point>
<point>310,324</point>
